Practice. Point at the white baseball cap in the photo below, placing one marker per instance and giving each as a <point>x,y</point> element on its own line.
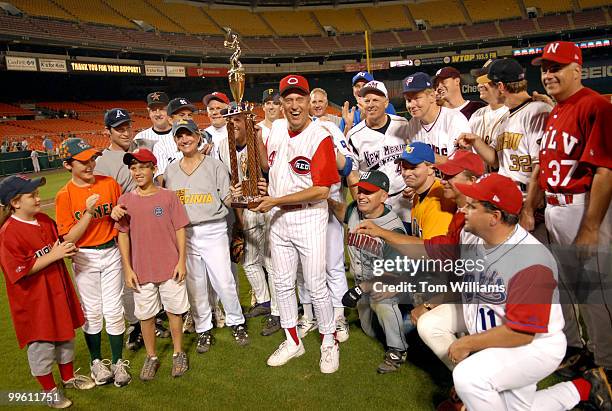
<point>377,87</point>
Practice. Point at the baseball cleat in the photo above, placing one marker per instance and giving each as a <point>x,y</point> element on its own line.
<point>149,368</point>
<point>392,362</point>
<point>342,330</point>
<point>330,358</point>
<point>188,324</point>
<point>285,352</point>
<point>305,325</point>
<point>601,392</point>
<point>205,340</point>
<point>134,341</point>
<point>79,382</point>
<point>272,325</point>
<point>240,334</point>
<point>180,364</point>
<point>121,375</point>
<point>100,372</point>
<point>258,310</point>
<point>57,399</point>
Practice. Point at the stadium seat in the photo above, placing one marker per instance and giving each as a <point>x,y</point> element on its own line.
<point>445,34</point>
<point>294,23</point>
<point>343,20</point>
<point>95,11</point>
<point>261,45</point>
<point>140,10</point>
<point>46,8</point>
<point>481,31</point>
<point>242,21</point>
<point>412,37</point>
<point>291,45</point>
<point>321,44</point>
<point>62,29</point>
<point>437,13</point>
<point>9,110</point>
<point>554,22</point>
<point>517,27</point>
<point>589,4</point>
<point>589,18</point>
<point>484,10</point>
<point>386,18</point>
<point>550,6</point>
<point>189,18</point>
<point>384,40</point>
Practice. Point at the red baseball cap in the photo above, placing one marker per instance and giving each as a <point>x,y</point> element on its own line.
<point>215,95</point>
<point>563,52</point>
<point>293,82</point>
<point>462,160</point>
<point>142,155</point>
<point>498,190</point>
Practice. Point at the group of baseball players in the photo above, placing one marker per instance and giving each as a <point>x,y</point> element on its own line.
<point>148,224</point>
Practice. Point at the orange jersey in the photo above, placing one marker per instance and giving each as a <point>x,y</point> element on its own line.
<point>70,205</point>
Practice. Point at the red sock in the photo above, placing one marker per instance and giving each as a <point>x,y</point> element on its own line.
<point>66,371</point>
<point>583,387</point>
<point>293,333</point>
<point>46,381</point>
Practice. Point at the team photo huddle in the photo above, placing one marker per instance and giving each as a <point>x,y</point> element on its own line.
<point>481,229</point>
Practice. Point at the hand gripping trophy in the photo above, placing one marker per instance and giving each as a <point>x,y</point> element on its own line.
<point>250,172</point>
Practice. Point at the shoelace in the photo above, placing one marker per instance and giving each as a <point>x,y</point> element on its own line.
<point>149,365</point>
<point>181,360</point>
<point>122,365</point>
<point>79,377</point>
<point>327,351</point>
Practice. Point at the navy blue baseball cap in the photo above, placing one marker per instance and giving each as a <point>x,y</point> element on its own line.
<point>418,81</point>
<point>362,76</point>
<point>116,116</point>
<point>416,153</point>
<point>17,184</point>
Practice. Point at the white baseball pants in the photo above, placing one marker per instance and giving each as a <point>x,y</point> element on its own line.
<point>439,327</point>
<point>208,259</point>
<point>99,279</point>
<point>255,254</point>
<point>298,236</point>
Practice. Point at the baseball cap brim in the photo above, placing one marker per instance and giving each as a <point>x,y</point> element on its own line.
<point>129,157</point>
<point>449,168</point>
<point>405,160</point>
<point>182,106</point>
<point>367,186</point>
<point>295,89</point>
<point>556,59</point>
<point>87,154</point>
<point>119,122</point>
<point>207,99</point>
<point>32,185</point>
<point>472,191</point>
<point>186,128</point>
<point>366,90</point>
<point>484,79</point>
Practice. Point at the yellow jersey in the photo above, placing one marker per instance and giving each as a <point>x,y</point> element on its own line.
<point>432,213</point>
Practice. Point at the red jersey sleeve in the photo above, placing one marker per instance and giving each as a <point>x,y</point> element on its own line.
<point>323,170</point>
<point>15,259</point>
<point>529,299</point>
<point>446,247</point>
<point>598,148</point>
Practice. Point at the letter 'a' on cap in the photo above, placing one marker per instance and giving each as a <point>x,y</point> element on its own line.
<point>17,184</point>
<point>116,116</point>
<point>416,153</point>
<point>373,181</point>
<point>190,125</point>
<point>562,52</point>
<point>496,189</point>
<point>461,160</point>
<point>77,149</point>
<point>376,87</point>
<point>418,81</point>
<point>295,83</point>
<point>142,155</point>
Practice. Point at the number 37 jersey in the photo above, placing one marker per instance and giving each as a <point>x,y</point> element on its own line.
<point>518,142</point>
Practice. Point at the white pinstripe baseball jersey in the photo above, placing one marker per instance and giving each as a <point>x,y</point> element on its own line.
<point>149,137</point>
<point>518,140</point>
<point>442,133</point>
<point>166,152</point>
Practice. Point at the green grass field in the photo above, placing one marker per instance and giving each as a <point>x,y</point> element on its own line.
<point>231,377</point>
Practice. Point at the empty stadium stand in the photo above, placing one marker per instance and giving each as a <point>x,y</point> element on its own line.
<point>549,6</point>
<point>386,17</point>
<point>485,10</point>
<point>343,20</point>
<point>438,13</point>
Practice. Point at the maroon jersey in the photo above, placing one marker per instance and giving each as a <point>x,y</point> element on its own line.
<point>576,142</point>
<point>44,305</point>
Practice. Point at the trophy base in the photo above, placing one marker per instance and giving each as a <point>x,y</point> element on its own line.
<point>246,202</point>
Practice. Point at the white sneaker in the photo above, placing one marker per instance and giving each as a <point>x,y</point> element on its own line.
<point>285,352</point>
<point>100,372</point>
<point>330,358</point>
<point>342,329</point>
<point>121,375</point>
<point>304,326</point>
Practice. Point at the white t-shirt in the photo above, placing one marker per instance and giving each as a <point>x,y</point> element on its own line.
<point>485,122</point>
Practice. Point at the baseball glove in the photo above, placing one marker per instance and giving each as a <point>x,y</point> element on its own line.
<point>237,247</point>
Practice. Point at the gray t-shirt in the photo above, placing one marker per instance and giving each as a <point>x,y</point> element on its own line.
<point>364,250</point>
<point>110,164</point>
<point>203,191</point>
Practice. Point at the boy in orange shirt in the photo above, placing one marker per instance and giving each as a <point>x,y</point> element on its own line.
<point>83,212</point>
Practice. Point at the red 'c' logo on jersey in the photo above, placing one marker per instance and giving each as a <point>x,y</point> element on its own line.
<point>300,165</point>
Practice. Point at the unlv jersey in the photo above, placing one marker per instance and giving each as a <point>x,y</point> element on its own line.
<point>442,133</point>
<point>576,140</point>
<point>518,140</point>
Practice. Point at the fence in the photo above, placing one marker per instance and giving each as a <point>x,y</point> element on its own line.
<point>21,162</point>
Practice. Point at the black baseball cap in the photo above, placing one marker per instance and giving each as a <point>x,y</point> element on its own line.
<point>116,116</point>
<point>178,103</point>
<point>506,71</point>
<point>157,97</point>
<point>373,181</point>
<point>270,94</point>
<point>190,125</point>
<point>17,184</point>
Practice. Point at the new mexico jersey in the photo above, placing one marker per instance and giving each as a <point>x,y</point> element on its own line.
<point>518,140</point>
<point>517,286</point>
<point>442,133</point>
<point>300,161</point>
<point>485,122</point>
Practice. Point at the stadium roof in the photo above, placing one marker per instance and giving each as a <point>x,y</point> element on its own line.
<point>302,4</point>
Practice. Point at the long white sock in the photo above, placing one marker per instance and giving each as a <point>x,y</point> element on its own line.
<point>308,314</point>
<point>339,313</point>
<point>328,340</point>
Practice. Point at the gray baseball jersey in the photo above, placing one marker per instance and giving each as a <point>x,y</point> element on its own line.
<point>365,250</point>
<point>149,137</point>
<point>203,191</point>
<point>110,163</point>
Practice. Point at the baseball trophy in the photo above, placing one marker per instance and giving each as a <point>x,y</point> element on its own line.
<point>250,170</point>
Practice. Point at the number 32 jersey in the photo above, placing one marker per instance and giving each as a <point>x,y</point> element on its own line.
<point>577,140</point>
<point>518,142</point>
